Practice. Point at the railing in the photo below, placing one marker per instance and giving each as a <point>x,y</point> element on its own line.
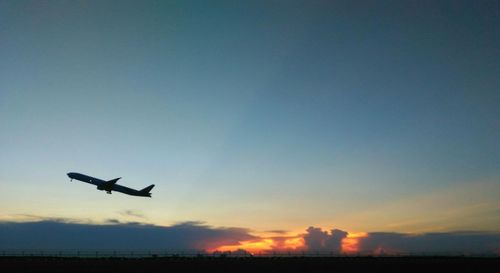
<point>70,253</point>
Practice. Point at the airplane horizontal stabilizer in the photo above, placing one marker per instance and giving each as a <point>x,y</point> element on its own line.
<point>147,189</point>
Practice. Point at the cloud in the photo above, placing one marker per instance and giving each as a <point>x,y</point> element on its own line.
<point>112,221</point>
<point>133,213</point>
<point>117,235</point>
<point>288,243</point>
<point>36,218</point>
<point>448,243</point>
<point>377,243</point>
<point>63,235</point>
<point>117,221</point>
<point>278,231</point>
<point>318,240</point>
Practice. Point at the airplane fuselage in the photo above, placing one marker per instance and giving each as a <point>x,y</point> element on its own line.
<point>108,187</point>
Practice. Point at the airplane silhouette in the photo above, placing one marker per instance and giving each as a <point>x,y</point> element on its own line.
<point>110,185</point>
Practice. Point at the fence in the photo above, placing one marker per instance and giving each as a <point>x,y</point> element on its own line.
<point>70,253</point>
<point>154,253</point>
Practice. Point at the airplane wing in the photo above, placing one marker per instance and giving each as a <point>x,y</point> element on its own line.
<point>109,184</point>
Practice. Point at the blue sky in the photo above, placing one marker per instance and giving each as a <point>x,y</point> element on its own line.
<point>365,115</point>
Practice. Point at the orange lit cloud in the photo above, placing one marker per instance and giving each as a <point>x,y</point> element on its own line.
<point>350,244</point>
<point>266,245</point>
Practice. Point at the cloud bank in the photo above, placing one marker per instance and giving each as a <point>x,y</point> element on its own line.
<point>64,235</point>
<point>115,235</point>
<point>449,243</point>
<point>391,243</point>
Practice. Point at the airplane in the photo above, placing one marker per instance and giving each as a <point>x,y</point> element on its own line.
<point>110,185</point>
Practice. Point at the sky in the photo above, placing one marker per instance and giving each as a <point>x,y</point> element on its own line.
<point>272,117</point>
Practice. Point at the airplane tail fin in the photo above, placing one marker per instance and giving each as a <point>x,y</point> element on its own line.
<point>147,189</point>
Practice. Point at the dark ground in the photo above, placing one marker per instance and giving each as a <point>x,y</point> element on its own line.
<point>289,264</point>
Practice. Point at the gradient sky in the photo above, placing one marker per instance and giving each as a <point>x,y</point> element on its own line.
<point>268,115</point>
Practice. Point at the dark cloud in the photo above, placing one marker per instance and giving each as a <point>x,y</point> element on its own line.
<point>37,218</point>
<point>133,213</point>
<point>278,231</point>
<point>63,235</point>
<point>318,240</point>
<point>334,242</point>
<point>116,221</point>
<point>449,243</point>
<point>112,221</point>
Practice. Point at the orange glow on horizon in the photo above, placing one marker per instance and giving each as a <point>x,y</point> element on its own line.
<point>266,245</point>
<point>350,244</point>
<point>294,243</point>
<point>250,246</point>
